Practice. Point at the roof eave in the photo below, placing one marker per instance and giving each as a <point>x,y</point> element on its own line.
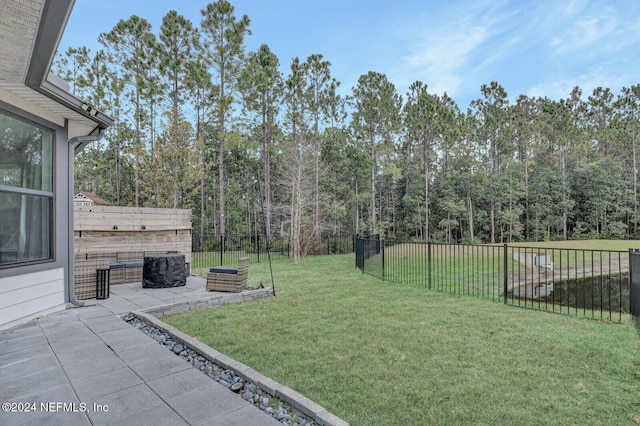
<point>53,20</point>
<point>67,99</point>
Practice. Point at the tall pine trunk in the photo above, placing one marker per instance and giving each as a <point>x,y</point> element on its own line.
<point>373,186</point>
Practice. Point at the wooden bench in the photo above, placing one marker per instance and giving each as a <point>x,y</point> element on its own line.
<point>224,278</point>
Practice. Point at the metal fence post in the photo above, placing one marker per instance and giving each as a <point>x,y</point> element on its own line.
<point>258,244</point>
<point>631,307</point>
<point>506,274</point>
<point>634,286</point>
<point>429,264</point>
<point>221,248</point>
<point>382,251</point>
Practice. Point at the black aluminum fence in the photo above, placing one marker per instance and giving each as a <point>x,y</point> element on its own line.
<point>213,250</point>
<point>634,282</point>
<point>588,283</point>
<point>340,243</point>
<point>367,249</point>
<point>226,250</point>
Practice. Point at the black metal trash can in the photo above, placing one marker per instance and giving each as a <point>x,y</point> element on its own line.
<point>102,283</point>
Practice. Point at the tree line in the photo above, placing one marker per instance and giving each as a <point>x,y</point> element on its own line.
<point>200,123</point>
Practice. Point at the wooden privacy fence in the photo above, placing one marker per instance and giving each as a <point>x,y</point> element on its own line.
<point>106,234</point>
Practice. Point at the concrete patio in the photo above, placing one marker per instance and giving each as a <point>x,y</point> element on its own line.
<point>86,366</point>
<point>125,298</point>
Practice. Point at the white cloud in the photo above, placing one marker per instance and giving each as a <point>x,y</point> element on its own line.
<point>439,58</point>
<point>588,81</point>
<point>541,48</point>
<point>460,47</point>
<point>592,44</point>
<point>559,89</point>
<point>587,32</point>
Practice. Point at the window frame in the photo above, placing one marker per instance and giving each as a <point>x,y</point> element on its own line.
<point>49,195</point>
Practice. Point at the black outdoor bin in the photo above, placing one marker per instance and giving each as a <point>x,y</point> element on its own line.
<point>163,271</point>
<point>102,283</point>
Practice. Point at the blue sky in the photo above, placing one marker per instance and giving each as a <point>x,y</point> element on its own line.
<point>537,48</point>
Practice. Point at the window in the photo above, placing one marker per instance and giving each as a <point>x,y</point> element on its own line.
<point>26,192</point>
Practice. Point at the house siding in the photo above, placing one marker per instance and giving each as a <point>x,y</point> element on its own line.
<point>23,297</point>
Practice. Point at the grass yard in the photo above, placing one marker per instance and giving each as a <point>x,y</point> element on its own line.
<point>379,353</point>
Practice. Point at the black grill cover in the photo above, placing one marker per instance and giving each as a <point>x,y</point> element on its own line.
<point>163,271</point>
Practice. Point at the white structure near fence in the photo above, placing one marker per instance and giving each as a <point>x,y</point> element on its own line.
<point>532,258</point>
<point>529,290</point>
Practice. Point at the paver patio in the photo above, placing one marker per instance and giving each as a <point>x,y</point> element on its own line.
<point>87,366</point>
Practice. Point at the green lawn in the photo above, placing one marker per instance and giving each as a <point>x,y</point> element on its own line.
<point>381,353</point>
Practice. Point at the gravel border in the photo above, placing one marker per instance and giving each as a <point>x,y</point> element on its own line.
<point>281,402</point>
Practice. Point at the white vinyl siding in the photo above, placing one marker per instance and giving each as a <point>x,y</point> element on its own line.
<point>23,297</point>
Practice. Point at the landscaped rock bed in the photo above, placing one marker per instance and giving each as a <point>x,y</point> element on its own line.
<point>277,409</point>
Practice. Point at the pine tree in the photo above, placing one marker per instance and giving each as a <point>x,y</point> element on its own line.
<point>261,85</point>
<point>225,41</point>
<point>375,121</point>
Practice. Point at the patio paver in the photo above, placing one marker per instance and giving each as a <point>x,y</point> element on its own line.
<point>87,366</point>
